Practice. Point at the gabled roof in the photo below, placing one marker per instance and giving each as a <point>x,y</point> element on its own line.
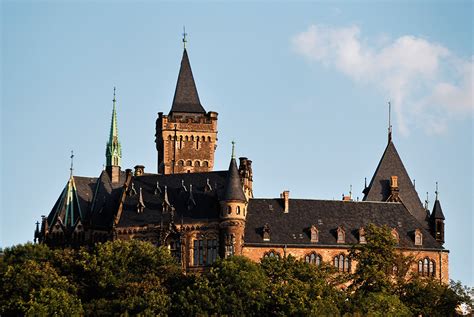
<point>67,210</point>
<point>233,187</point>
<point>379,188</point>
<point>437,211</point>
<point>186,98</point>
<point>294,227</point>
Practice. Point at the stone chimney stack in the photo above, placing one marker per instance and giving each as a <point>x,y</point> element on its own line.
<point>139,170</point>
<point>286,199</point>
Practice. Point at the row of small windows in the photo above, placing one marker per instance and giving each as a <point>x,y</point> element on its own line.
<point>191,163</point>
<point>238,210</point>
<point>181,141</point>
<point>342,262</point>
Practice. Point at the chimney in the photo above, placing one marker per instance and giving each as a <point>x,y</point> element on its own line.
<point>286,199</point>
<point>139,170</point>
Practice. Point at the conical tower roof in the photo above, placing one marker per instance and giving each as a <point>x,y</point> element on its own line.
<point>186,98</point>
<point>437,211</point>
<point>379,188</point>
<point>233,188</point>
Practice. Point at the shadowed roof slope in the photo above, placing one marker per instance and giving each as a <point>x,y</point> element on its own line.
<point>379,188</point>
<point>437,211</point>
<point>294,227</point>
<point>186,98</point>
<point>233,188</point>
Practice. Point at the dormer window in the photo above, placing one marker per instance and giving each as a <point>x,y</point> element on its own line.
<point>362,239</point>
<point>418,237</point>
<point>314,234</point>
<point>266,232</point>
<point>395,235</point>
<point>341,235</point>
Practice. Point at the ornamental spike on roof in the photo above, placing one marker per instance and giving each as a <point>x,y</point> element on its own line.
<point>114,149</point>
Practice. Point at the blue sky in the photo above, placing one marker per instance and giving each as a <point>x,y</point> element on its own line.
<point>302,88</point>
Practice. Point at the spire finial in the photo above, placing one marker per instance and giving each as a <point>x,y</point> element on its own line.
<point>72,162</point>
<point>114,96</point>
<point>350,191</point>
<point>436,191</point>
<point>427,201</point>
<point>184,37</point>
<point>389,122</point>
<point>233,150</point>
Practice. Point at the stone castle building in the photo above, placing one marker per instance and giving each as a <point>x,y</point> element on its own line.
<point>201,214</point>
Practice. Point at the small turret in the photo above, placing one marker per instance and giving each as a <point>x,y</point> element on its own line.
<point>113,152</point>
<point>233,212</point>
<point>437,220</point>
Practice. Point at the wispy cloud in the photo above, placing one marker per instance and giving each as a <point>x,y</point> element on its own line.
<point>428,85</point>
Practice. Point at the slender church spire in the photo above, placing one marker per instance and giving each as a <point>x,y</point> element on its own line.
<point>113,151</point>
<point>389,122</point>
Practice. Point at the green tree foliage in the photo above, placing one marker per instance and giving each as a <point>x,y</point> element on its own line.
<point>138,278</point>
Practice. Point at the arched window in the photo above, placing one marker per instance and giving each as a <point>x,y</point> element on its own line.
<point>229,210</point>
<point>427,267</point>
<point>342,263</point>
<point>187,138</point>
<point>197,163</point>
<point>189,163</point>
<point>197,143</point>
<point>272,254</point>
<point>313,258</point>
<point>180,142</point>
<point>169,137</point>
<point>180,163</point>
<point>208,139</point>
<point>238,210</point>
<point>206,164</point>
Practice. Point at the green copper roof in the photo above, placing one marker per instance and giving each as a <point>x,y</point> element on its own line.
<point>67,208</point>
<point>113,151</point>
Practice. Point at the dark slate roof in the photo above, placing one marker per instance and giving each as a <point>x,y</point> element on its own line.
<point>379,188</point>
<point>186,98</point>
<point>201,205</point>
<point>70,206</point>
<point>327,215</point>
<point>106,200</point>
<point>233,187</point>
<point>437,211</point>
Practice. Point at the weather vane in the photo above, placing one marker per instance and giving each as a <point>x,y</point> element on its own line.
<point>184,37</point>
<point>389,121</point>
<point>233,149</point>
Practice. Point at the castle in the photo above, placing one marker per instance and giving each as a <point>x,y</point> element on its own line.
<point>201,214</point>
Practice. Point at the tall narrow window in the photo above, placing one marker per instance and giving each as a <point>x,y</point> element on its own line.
<point>238,210</point>
<point>272,254</point>
<point>180,142</point>
<point>341,235</point>
<point>197,143</point>
<point>342,263</point>
<point>175,249</point>
<point>314,234</point>
<point>313,258</point>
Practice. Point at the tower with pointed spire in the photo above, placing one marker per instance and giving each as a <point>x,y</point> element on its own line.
<point>437,219</point>
<point>113,152</point>
<point>233,212</point>
<point>186,138</point>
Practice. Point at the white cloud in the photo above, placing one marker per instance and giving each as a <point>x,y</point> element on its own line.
<point>427,84</point>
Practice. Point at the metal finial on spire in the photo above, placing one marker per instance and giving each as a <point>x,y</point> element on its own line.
<point>436,191</point>
<point>114,96</point>
<point>233,150</point>
<point>72,162</point>
<point>427,201</point>
<point>184,37</point>
<point>350,191</point>
<point>389,121</point>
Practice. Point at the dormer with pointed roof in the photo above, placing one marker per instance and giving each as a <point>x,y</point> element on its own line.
<point>437,220</point>
<point>186,138</point>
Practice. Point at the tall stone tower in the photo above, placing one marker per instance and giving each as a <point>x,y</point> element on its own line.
<point>113,151</point>
<point>186,138</point>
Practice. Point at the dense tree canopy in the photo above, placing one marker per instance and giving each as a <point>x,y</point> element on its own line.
<point>134,277</point>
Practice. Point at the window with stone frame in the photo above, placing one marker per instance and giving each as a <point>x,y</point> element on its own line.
<point>395,235</point>
<point>229,245</point>
<point>205,251</point>
<point>418,237</point>
<point>272,254</point>
<point>341,235</point>
<point>266,232</point>
<point>342,262</point>
<point>362,239</point>
<point>426,267</point>
<point>314,234</point>
<point>313,258</point>
<point>175,249</point>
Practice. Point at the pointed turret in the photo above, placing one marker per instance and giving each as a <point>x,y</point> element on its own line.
<point>113,151</point>
<point>437,220</point>
<point>186,98</point>
<point>381,187</point>
<point>233,188</point>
